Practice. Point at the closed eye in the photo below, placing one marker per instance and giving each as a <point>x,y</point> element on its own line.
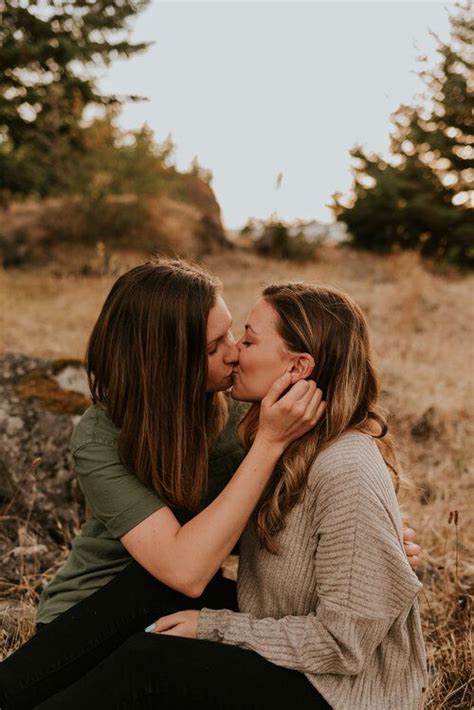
<point>223,339</point>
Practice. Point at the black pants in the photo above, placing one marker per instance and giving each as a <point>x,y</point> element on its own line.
<point>153,672</point>
<point>89,633</point>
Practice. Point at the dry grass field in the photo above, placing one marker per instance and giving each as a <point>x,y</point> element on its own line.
<point>422,325</point>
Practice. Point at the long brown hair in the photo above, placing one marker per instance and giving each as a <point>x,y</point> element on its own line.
<point>147,366</point>
<point>327,324</point>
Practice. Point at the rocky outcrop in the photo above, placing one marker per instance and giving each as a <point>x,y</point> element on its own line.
<point>41,505</point>
<point>189,225</point>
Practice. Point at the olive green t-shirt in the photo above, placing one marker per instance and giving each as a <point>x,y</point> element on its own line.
<point>116,502</point>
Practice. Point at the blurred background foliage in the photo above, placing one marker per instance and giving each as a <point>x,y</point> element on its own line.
<point>423,197</point>
<point>89,179</point>
<point>49,55</point>
<point>93,181</point>
<point>295,241</point>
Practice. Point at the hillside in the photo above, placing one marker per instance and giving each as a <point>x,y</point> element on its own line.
<point>182,216</point>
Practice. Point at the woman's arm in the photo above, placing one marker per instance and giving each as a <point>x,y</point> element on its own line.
<point>187,557</point>
<point>327,641</point>
<point>360,596</point>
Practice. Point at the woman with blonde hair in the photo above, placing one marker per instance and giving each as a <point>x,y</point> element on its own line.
<point>327,602</point>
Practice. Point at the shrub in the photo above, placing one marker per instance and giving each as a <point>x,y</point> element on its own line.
<point>282,241</point>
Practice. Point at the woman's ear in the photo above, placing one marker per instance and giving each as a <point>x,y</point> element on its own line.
<point>301,367</point>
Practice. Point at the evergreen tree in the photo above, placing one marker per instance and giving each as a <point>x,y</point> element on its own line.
<point>422,198</point>
<point>47,52</point>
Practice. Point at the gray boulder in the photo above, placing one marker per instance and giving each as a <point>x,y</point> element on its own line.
<point>41,505</point>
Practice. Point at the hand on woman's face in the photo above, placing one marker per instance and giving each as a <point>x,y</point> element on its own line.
<point>222,352</point>
<point>264,356</point>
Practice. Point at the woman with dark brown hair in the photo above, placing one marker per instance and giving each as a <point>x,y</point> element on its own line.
<point>327,611</point>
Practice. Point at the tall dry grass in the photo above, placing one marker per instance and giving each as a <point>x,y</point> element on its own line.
<point>422,331</point>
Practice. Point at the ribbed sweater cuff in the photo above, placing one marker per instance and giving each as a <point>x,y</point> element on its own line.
<point>211,624</point>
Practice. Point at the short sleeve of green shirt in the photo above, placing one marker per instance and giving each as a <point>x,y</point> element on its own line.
<point>115,496</point>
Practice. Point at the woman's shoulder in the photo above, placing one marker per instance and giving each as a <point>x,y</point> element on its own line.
<point>353,456</point>
<point>350,446</point>
<point>94,427</point>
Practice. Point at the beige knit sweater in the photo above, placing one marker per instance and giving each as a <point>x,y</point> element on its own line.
<point>339,601</point>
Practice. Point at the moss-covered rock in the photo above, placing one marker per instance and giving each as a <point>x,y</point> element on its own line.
<point>48,392</point>
<point>40,401</point>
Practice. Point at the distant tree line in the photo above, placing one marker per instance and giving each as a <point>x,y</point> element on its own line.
<point>423,196</point>
<point>50,53</point>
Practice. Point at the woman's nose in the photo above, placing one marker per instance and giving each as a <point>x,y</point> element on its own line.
<point>232,354</point>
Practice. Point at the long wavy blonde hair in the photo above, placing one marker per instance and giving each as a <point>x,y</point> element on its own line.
<point>328,325</point>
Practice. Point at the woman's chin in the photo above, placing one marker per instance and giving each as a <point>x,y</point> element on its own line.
<point>236,394</point>
<point>241,395</point>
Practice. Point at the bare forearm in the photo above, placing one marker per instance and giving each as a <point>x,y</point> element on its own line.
<point>186,557</point>
<point>203,544</point>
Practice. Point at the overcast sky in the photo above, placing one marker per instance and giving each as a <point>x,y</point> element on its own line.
<point>254,89</point>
